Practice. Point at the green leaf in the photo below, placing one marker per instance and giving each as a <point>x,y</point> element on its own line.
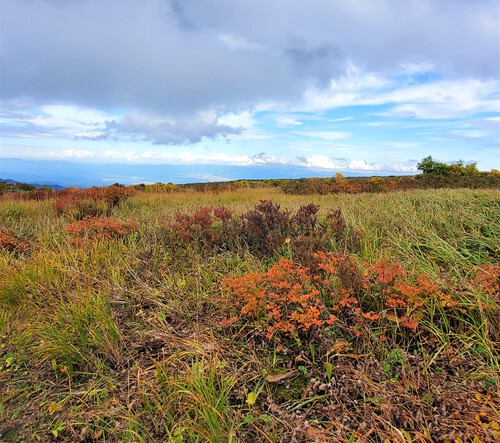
<point>265,418</point>
<point>329,370</point>
<point>249,418</point>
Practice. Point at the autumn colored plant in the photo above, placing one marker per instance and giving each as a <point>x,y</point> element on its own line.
<point>282,300</point>
<point>207,227</point>
<point>267,230</point>
<point>10,242</point>
<point>92,228</point>
<point>94,201</point>
<point>294,301</point>
<point>487,279</point>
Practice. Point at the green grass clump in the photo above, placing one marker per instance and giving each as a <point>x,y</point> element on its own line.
<point>80,334</point>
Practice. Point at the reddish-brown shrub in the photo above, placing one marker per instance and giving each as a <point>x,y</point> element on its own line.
<point>207,227</point>
<point>282,300</point>
<point>290,301</point>
<point>488,279</point>
<point>266,230</point>
<point>10,242</point>
<point>99,228</point>
<point>95,201</point>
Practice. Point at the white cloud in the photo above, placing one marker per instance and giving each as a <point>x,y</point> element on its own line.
<point>284,121</point>
<point>325,135</point>
<point>416,68</point>
<point>446,99</point>
<point>238,42</point>
<point>401,167</point>
<point>242,120</point>
<point>65,121</point>
<point>321,162</point>
<point>341,119</point>
<point>362,165</point>
<point>76,153</point>
<point>56,120</point>
<point>472,133</point>
<point>441,99</point>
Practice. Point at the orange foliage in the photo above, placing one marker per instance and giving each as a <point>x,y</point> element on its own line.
<point>9,242</point>
<point>291,300</point>
<point>284,299</point>
<point>99,228</point>
<point>488,279</point>
<point>85,201</point>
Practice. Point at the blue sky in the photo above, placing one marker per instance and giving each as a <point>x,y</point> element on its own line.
<point>366,86</point>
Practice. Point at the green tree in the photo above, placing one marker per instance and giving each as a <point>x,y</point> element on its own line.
<point>428,166</point>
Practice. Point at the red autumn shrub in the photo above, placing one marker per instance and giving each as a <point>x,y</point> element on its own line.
<point>99,228</point>
<point>95,201</point>
<point>283,300</point>
<point>488,279</point>
<point>290,300</point>
<point>10,242</point>
<point>266,230</point>
<point>208,227</point>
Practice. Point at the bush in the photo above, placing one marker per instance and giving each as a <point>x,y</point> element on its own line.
<point>266,230</point>
<point>95,201</point>
<point>291,301</point>
<point>10,242</point>
<point>92,228</point>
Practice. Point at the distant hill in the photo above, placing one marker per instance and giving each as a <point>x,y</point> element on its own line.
<point>36,185</point>
<point>83,175</point>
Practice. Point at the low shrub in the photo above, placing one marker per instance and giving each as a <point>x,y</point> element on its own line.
<point>267,230</point>
<point>92,228</point>
<point>292,301</point>
<point>95,201</point>
<point>10,242</point>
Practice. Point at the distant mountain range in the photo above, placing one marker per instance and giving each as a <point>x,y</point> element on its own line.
<point>61,174</point>
<point>36,185</point>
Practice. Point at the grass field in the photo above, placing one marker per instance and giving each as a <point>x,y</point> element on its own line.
<point>251,316</point>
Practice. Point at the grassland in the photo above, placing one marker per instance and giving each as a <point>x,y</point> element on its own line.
<point>211,317</point>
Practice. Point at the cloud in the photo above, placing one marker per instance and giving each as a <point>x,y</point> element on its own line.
<point>169,56</point>
<point>408,168</point>
<point>439,99</point>
<point>152,77</point>
<point>324,135</point>
<point>238,42</point>
<point>81,123</point>
<point>319,162</point>
<point>242,120</point>
<point>162,130</point>
<point>416,68</point>
<point>283,121</point>
<point>76,153</point>
<point>340,119</point>
<point>315,162</point>
<point>362,165</point>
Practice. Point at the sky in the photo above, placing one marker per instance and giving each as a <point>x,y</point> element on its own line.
<point>369,86</point>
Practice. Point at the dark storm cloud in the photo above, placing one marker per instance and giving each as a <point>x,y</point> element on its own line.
<point>173,56</point>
